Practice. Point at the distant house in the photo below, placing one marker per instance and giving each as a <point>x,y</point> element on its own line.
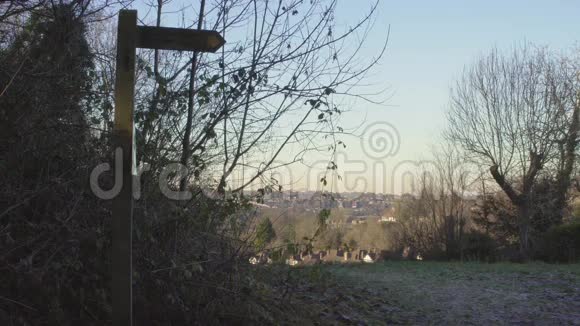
<point>260,259</point>
<point>409,253</point>
<point>294,260</point>
<point>387,219</point>
<point>371,257</point>
<point>347,255</point>
<point>357,220</point>
<point>311,259</point>
<point>361,254</point>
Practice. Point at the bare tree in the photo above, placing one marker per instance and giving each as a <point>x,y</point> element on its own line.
<point>454,177</point>
<point>508,112</point>
<point>276,83</point>
<point>435,221</point>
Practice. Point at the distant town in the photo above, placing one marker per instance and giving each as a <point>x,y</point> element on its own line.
<point>360,207</point>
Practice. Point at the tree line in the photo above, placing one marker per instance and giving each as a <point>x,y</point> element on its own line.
<point>512,140</point>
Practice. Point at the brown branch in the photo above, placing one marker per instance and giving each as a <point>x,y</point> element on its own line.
<point>505,186</point>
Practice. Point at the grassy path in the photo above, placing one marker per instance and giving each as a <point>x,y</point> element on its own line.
<point>452,294</point>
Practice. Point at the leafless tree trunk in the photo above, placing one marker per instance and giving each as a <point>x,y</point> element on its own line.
<point>505,113</point>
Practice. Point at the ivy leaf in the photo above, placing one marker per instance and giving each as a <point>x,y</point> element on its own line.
<point>149,71</point>
<point>211,133</point>
<point>321,116</point>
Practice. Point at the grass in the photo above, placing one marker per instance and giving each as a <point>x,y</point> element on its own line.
<point>465,293</point>
<point>447,293</point>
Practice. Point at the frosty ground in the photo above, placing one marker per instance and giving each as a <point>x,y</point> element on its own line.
<point>441,293</point>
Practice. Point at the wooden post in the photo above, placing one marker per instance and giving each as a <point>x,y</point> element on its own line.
<point>123,139</point>
<point>129,38</point>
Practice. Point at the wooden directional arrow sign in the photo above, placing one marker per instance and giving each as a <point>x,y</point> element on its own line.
<point>129,37</point>
<point>165,38</point>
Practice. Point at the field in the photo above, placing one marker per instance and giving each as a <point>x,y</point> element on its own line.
<point>444,294</point>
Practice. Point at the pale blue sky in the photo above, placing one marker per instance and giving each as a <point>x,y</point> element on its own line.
<point>430,43</point>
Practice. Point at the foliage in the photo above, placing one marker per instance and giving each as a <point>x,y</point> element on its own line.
<point>54,233</point>
<point>576,210</point>
<point>478,246</point>
<point>496,217</point>
<point>331,239</point>
<point>57,64</point>
<point>264,234</point>
<point>562,243</point>
<point>509,95</point>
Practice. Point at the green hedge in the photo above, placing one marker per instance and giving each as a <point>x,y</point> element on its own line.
<point>478,246</point>
<point>562,243</point>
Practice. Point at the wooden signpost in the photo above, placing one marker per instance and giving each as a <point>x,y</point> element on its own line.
<point>129,38</point>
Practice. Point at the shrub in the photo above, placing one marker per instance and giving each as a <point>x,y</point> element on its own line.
<point>478,246</point>
<point>392,254</point>
<point>561,243</point>
<point>434,253</point>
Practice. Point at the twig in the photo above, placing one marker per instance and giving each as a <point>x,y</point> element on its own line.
<point>18,303</point>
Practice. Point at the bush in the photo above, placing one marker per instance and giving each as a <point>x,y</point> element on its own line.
<point>395,255</point>
<point>562,243</point>
<point>478,246</point>
<point>435,253</point>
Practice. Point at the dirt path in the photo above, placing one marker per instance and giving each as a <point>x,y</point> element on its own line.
<point>457,294</point>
